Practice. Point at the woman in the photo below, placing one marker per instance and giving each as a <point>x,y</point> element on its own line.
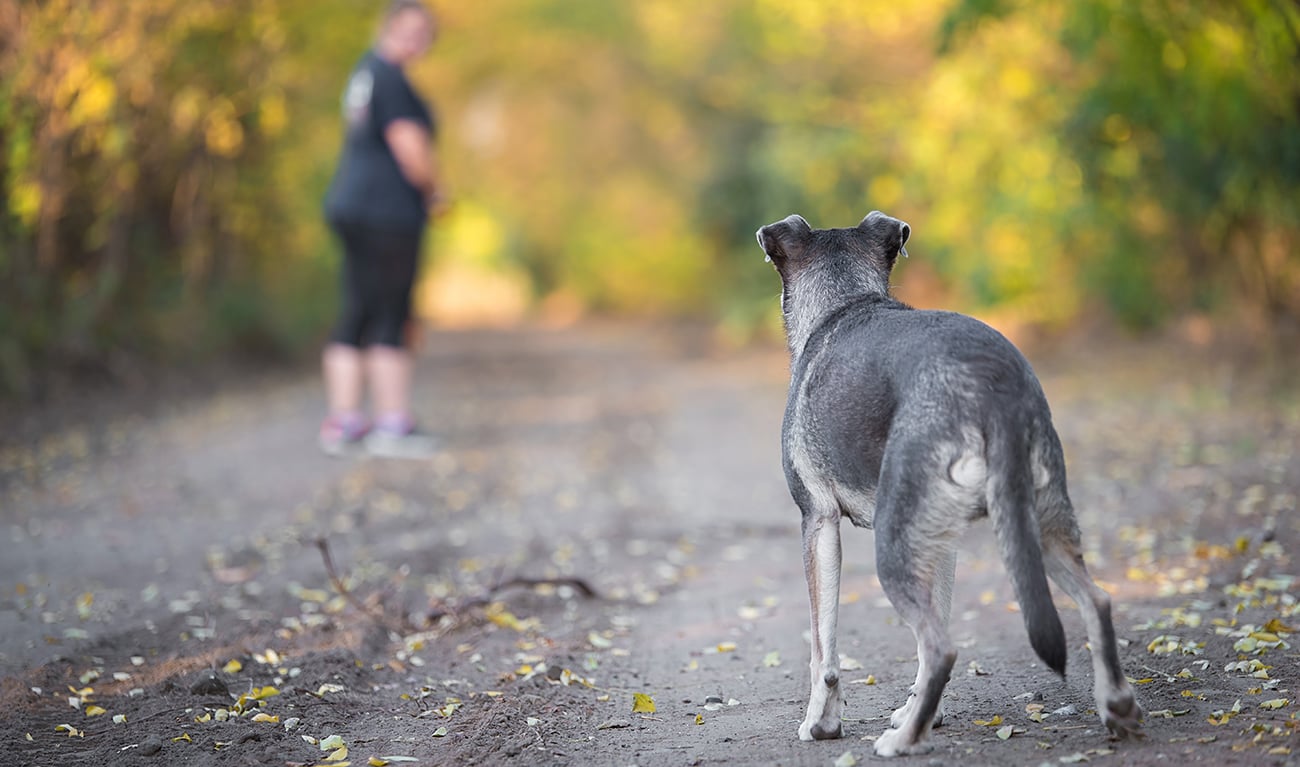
<point>378,203</point>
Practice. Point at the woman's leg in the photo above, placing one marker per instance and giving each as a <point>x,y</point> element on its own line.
<point>342,361</point>
<point>388,360</point>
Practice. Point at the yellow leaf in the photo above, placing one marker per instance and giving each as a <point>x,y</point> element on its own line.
<point>375,761</point>
<point>338,754</point>
<point>1278,627</point>
<point>642,703</point>
<point>185,736</point>
<point>994,722</point>
<point>699,719</point>
<point>1275,703</point>
<point>95,710</point>
<point>262,693</point>
<point>265,717</point>
<point>73,732</point>
<point>726,646</point>
<point>440,732</point>
<point>232,666</point>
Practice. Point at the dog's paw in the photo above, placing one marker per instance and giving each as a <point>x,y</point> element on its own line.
<point>817,730</point>
<point>893,743</point>
<point>901,714</point>
<point>1122,715</point>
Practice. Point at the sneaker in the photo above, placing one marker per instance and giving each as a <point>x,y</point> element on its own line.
<point>342,435</point>
<point>399,440</point>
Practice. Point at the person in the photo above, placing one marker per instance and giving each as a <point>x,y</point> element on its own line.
<point>383,191</point>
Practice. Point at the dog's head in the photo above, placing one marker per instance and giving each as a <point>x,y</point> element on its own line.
<point>834,263</point>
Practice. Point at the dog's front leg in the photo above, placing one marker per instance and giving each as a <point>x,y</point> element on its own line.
<point>821,550</point>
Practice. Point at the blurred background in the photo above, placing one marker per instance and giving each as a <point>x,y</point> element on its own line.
<point>1098,164</point>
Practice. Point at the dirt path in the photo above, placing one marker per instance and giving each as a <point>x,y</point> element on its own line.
<point>143,555</point>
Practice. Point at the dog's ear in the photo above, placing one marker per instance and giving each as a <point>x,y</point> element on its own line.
<point>786,239</point>
<point>888,234</point>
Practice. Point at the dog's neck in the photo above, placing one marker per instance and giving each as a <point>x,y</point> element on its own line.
<point>817,292</point>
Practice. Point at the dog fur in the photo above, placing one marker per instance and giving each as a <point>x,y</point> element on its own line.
<point>915,423</point>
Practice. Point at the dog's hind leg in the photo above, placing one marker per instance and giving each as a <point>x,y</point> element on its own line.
<point>821,549</point>
<point>1116,703</point>
<point>943,598</point>
<point>912,562</point>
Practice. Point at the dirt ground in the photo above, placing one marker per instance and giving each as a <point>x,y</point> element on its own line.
<point>164,601</point>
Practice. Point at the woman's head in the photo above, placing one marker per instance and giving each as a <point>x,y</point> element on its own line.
<point>407,31</point>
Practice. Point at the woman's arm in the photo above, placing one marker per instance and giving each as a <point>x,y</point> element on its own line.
<point>409,142</point>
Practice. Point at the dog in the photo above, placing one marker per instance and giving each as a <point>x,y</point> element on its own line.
<point>916,423</point>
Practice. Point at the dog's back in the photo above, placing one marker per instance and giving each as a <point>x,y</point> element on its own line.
<point>878,372</point>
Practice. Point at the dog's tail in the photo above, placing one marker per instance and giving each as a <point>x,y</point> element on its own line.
<point>1010,502</point>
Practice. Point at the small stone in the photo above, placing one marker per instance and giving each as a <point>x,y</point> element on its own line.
<point>713,699</point>
<point>210,685</point>
<point>1069,710</point>
<point>554,673</point>
<point>151,745</point>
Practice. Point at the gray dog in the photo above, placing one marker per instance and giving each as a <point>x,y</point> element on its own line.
<point>915,423</point>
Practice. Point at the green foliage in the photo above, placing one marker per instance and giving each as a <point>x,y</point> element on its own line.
<point>162,164</point>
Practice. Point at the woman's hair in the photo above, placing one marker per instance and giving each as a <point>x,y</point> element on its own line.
<point>398,7</point>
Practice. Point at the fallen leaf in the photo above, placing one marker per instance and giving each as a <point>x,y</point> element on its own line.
<point>1004,732</point>
<point>330,743</point>
<point>265,717</point>
<point>772,659</point>
<point>97,710</point>
<point>376,761</point>
<point>119,719</point>
<point>726,646</point>
<point>598,641</point>
<point>73,732</point>
<point>232,666</point>
<point>642,703</point>
<point>338,754</point>
<point>533,721</point>
<point>1074,758</point>
<point>185,736</point>
<point>847,759</point>
<point>699,718</point>
<point>994,722</point>
<point>1271,705</point>
<point>440,732</point>
<point>614,724</point>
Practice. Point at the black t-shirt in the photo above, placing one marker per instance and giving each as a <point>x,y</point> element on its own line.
<point>368,188</point>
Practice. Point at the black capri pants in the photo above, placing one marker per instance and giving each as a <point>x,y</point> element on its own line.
<point>379,267</point>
